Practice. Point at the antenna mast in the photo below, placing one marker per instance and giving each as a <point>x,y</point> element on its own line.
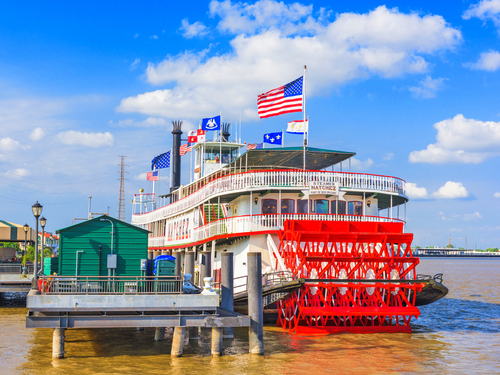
<point>121,215</point>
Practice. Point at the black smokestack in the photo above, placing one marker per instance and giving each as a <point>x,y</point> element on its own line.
<point>225,132</point>
<point>176,156</point>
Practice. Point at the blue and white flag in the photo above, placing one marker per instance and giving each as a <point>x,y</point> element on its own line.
<point>212,123</point>
<point>273,138</point>
<point>161,161</point>
<point>298,127</point>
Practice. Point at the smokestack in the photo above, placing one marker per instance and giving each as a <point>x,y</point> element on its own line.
<point>225,132</point>
<point>176,156</point>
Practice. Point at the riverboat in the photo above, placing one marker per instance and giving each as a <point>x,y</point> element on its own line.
<point>342,232</point>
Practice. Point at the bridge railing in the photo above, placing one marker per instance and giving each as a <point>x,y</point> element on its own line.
<point>15,268</point>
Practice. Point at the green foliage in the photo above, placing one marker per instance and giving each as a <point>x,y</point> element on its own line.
<point>14,245</point>
<point>450,246</point>
<point>30,254</point>
<point>492,250</point>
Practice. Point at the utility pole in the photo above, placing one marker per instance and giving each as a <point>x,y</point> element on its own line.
<point>121,214</point>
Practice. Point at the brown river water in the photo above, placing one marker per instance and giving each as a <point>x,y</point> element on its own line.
<point>458,335</point>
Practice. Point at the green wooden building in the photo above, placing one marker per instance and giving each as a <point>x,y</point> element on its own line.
<point>90,247</point>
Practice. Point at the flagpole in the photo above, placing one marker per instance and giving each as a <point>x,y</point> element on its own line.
<point>304,111</point>
<point>154,169</point>
<point>282,138</point>
<point>191,165</point>
<point>157,186</point>
<point>170,162</point>
<point>220,141</point>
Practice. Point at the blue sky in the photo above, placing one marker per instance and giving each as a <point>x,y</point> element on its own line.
<point>411,87</point>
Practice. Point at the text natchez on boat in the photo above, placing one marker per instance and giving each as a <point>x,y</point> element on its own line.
<point>305,215</point>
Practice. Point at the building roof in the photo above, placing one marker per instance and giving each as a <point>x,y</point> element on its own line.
<point>98,218</point>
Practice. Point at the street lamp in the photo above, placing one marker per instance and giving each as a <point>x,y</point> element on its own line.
<point>37,211</point>
<point>25,227</point>
<point>43,221</point>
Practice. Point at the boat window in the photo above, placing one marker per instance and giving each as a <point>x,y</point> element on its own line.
<point>269,206</point>
<point>355,208</point>
<point>341,205</point>
<point>302,206</point>
<point>321,206</point>
<point>287,206</point>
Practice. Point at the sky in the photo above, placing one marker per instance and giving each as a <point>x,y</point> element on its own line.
<point>410,86</point>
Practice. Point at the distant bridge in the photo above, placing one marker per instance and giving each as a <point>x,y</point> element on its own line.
<point>454,253</point>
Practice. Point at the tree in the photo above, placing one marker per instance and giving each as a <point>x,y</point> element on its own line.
<point>30,254</point>
<point>450,246</point>
<point>14,245</point>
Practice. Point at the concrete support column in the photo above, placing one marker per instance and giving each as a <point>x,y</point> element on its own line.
<point>159,333</point>
<point>193,333</point>
<point>177,342</point>
<point>217,334</point>
<point>58,343</point>
<point>227,287</point>
<point>189,264</point>
<point>178,258</point>
<point>205,266</point>
<point>256,329</point>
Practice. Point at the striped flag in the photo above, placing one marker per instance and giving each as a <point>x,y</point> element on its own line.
<point>252,146</point>
<point>185,149</point>
<point>284,99</point>
<point>152,176</point>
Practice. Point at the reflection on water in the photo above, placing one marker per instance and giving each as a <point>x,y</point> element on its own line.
<point>459,334</point>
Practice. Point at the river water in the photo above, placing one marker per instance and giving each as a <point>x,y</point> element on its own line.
<point>458,335</point>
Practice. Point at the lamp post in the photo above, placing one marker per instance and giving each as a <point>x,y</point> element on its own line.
<point>43,221</point>
<point>25,227</point>
<point>37,211</point>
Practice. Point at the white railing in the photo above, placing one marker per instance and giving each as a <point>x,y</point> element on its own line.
<point>256,223</point>
<point>273,179</point>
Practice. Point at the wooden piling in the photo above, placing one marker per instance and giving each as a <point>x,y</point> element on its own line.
<point>254,286</point>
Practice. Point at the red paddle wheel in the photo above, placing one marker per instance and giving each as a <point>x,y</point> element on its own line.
<point>354,252</point>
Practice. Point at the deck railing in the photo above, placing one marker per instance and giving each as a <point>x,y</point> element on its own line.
<point>15,268</point>
<point>284,179</point>
<point>256,223</point>
<point>110,285</point>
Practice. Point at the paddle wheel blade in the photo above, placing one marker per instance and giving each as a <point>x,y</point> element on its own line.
<point>357,253</point>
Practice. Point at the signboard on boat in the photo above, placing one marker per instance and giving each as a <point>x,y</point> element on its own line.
<point>321,187</point>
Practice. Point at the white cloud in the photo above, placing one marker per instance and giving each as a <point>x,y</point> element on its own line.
<point>361,165</point>
<point>414,192</point>
<point>136,35</point>
<point>37,134</point>
<point>484,10</point>
<point>9,144</point>
<point>153,37</point>
<point>427,88</point>
<point>191,30</point>
<point>141,177</point>
<point>388,156</point>
<point>476,215</point>
<point>93,140</point>
<point>135,63</point>
<point>489,61</point>
<point>383,42</point>
<point>17,173</point>
<point>451,190</point>
<point>496,195</point>
<point>461,140</point>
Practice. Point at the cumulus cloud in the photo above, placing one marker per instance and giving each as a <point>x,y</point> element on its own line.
<point>189,31</point>
<point>496,195</point>
<point>17,173</point>
<point>273,39</point>
<point>361,165</point>
<point>8,144</point>
<point>415,192</point>
<point>461,140</point>
<point>93,140</point>
<point>37,134</point>
<point>489,61</point>
<point>427,88</point>
<point>451,190</point>
<point>466,217</point>
<point>484,10</point>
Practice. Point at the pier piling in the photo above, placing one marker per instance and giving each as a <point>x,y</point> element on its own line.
<point>256,329</point>
<point>178,258</point>
<point>205,266</point>
<point>217,334</point>
<point>58,343</point>
<point>159,333</point>
<point>227,288</point>
<point>189,263</point>
<point>177,342</point>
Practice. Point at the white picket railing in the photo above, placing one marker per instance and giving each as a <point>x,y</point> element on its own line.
<point>272,179</point>
<point>255,223</point>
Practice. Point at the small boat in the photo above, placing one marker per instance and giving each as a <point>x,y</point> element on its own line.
<point>433,291</point>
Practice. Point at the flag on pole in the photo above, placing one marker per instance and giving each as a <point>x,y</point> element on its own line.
<point>161,161</point>
<point>298,127</point>
<point>211,123</point>
<point>284,99</point>
<point>152,176</point>
<point>273,138</point>
<point>253,146</point>
<point>184,149</point>
<point>195,136</point>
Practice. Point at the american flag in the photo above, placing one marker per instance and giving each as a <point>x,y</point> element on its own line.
<point>185,149</point>
<point>284,99</point>
<point>252,146</point>
<point>152,176</point>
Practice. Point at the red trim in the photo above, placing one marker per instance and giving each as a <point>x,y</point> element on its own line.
<point>270,170</point>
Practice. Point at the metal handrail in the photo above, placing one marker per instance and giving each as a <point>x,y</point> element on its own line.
<point>268,279</point>
<point>115,285</point>
<point>15,268</point>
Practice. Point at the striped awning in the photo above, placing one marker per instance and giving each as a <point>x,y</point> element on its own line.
<point>12,232</point>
